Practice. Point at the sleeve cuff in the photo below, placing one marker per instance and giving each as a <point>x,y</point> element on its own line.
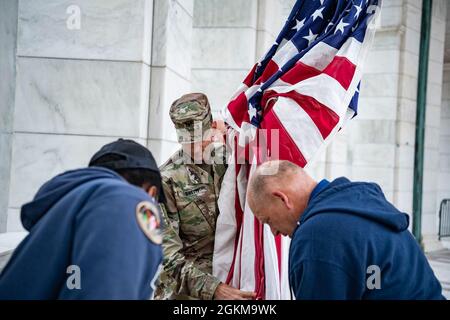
<point>209,287</point>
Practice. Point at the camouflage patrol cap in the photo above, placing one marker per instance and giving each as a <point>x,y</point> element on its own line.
<point>191,115</point>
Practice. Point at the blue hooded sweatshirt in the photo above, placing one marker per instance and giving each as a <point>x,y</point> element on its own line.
<point>83,223</point>
<point>351,243</point>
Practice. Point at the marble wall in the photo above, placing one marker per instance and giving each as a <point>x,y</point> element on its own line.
<point>83,77</point>
<point>8,35</point>
<point>117,30</point>
<point>444,141</point>
<point>170,69</point>
<point>223,50</point>
<point>88,72</point>
<point>80,84</point>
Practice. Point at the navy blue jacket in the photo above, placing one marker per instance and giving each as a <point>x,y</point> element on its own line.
<point>347,231</point>
<point>87,218</point>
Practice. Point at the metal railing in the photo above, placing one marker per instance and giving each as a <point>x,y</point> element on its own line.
<point>444,219</point>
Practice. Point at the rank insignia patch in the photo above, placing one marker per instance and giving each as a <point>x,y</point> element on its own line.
<point>149,221</point>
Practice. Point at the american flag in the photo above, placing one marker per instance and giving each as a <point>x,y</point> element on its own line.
<point>304,90</point>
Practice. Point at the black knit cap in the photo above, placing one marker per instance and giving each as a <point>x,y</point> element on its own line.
<point>133,156</point>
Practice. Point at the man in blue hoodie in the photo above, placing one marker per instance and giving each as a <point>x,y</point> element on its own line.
<point>94,232</point>
<point>348,241</point>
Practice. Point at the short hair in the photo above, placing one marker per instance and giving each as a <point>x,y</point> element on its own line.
<point>137,177</point>
<point>270,171</point>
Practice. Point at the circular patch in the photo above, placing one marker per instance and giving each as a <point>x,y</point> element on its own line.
<point>148,219</point>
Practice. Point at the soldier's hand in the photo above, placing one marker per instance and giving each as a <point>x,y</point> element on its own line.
<point>226,292</point>
<point>217,132</point>
<point>219,125</point>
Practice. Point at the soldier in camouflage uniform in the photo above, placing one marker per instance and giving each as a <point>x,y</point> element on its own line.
<point>191,210</point>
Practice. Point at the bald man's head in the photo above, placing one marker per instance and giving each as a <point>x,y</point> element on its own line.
<point>277,193</point>
<point>271,173</point>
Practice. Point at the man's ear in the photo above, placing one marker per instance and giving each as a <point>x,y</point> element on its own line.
<point>214,124</point>
<point>152,191</point>
<point>283,197</point>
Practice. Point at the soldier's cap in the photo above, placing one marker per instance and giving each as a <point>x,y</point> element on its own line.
<point>191,115</point>
<point>132,156</point>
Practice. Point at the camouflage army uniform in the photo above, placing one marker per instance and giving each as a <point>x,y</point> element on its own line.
<point>190,216</point>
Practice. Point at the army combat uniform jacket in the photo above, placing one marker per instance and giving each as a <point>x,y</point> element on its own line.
<point>190,216</point>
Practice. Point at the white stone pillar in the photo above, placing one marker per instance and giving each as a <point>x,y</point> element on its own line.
<point>83,77</point>
<point>8,39</point>
<point>170,69</point>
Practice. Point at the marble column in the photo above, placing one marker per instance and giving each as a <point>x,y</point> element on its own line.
<point>8,39</point>
<point>83,77</point>
<point>170,69</point>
